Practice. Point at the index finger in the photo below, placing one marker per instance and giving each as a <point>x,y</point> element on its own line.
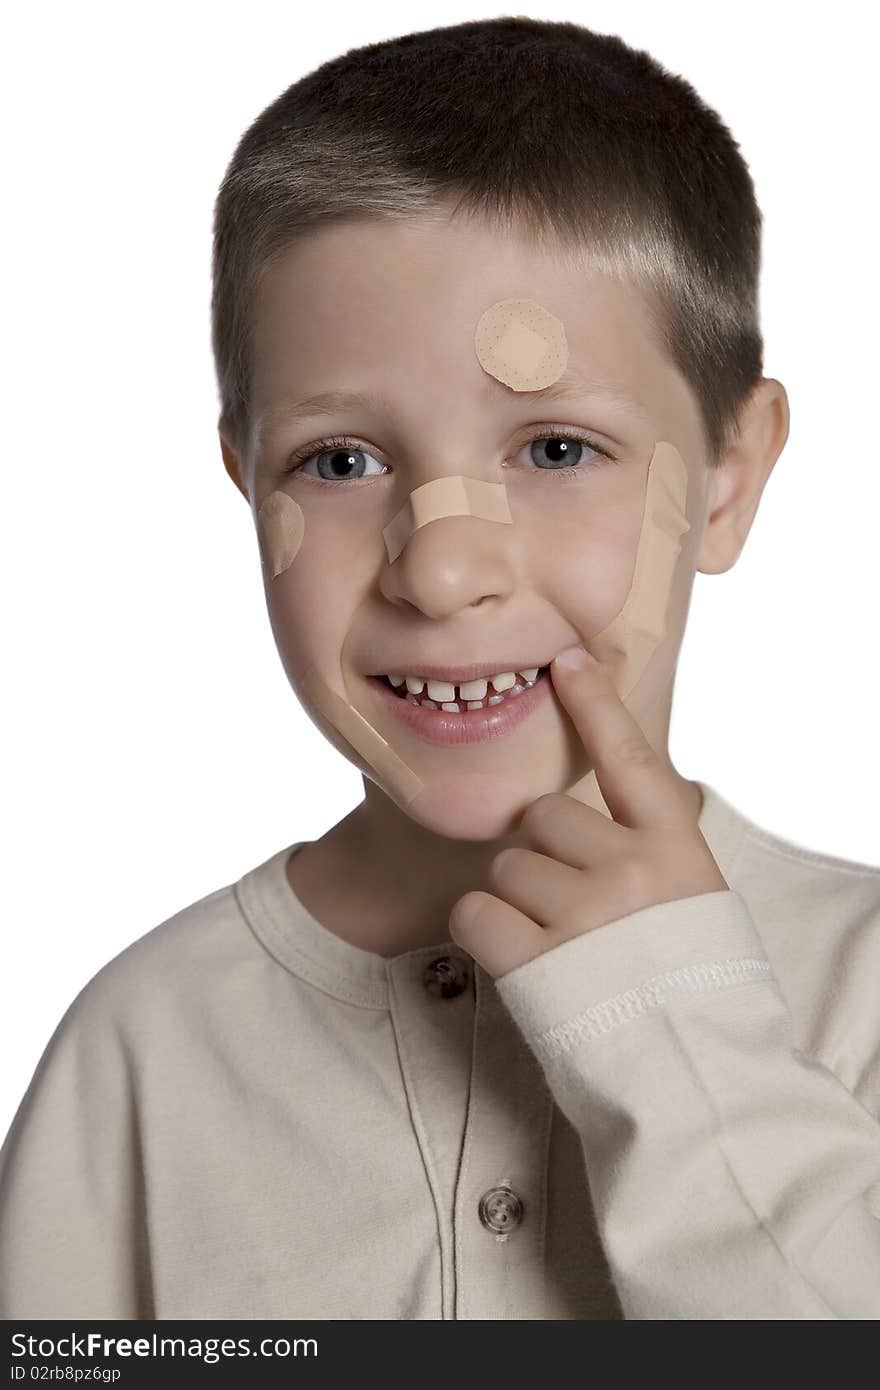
<point>639,788</point>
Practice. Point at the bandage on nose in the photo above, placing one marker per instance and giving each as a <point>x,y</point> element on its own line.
<point>441,497</point>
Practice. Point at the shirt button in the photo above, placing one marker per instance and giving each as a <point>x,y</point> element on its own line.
<point>445,977</point>
<point>500,1209</point>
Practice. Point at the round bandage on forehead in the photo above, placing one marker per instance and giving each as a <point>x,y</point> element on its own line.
<point>521,344</point>
<point>442,497</point>
<point>280,529</point>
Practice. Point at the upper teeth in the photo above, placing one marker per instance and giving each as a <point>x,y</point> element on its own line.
<point>470,690</point>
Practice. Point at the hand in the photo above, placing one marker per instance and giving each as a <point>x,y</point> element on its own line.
<point>585,869</point>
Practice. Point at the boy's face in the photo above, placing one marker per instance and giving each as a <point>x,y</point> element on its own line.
<point>388,310</point>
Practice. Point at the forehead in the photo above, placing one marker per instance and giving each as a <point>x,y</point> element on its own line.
<point>392,304</point>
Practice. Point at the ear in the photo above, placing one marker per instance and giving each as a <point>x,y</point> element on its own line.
<point>736,484</point>
<point>232,458</point>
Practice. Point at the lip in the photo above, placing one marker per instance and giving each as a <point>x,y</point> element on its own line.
<point>457,674</point>
<point>474,726</point>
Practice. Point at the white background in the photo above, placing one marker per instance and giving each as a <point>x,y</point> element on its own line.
<point>153,750</point>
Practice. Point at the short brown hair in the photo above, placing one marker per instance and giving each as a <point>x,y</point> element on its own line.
<point>548,125</point>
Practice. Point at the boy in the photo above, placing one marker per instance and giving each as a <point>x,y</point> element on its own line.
<point>541,1029</point>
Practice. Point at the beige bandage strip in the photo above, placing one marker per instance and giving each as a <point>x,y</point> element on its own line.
<point>280,530</point>
<point>628,642</point>
<point>521,344</point>
<point>455,496</point>
<point>360,733</point>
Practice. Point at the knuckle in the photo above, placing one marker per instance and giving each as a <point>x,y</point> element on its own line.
<point>573,922</point>
<point>540,809</point>
<point>635,749</point>
<point>501,866</point>
<point>636,875</point>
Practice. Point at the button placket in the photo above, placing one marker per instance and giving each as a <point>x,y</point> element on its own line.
<point>431,999</point>
<point>501,1188</point>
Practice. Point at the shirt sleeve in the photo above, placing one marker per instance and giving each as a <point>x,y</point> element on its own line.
<point>72,1226</point>
<point>729,1172</point>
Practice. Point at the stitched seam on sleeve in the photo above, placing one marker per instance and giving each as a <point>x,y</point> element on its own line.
<point>655,993</point>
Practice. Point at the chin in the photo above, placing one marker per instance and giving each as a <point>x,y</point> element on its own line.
<point>473,806</point>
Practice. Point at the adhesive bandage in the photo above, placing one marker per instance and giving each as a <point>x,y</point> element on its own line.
<point>360,733</point>
<point>521,344</point>
<point>455,496</point>
<point>280,529</point>
<point>627,643</point>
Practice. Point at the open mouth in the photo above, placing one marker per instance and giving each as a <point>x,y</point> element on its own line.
<point>469,696</point>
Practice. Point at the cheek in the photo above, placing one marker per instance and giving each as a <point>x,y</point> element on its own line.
<point>310,583</point>
<point>585,568</point>
<point>646,611</point>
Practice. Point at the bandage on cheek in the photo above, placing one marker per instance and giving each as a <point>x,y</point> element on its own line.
<point>628,642</point>
<point>626,645</point>
<point>442,497</point>
<point>364,739</point>
<point>280,530</point>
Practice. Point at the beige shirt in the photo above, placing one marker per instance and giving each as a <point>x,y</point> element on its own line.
<point>676,1115</point>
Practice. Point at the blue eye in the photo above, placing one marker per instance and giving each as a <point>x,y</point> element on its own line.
<point>336,461</point>
<point>559,451</point>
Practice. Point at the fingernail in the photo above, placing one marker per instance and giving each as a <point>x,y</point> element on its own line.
<point>572,659</point>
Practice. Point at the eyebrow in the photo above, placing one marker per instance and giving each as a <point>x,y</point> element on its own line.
<point>567,388</point>
<point>325,403</point>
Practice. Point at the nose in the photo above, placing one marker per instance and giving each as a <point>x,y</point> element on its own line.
<point>453,563</point>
